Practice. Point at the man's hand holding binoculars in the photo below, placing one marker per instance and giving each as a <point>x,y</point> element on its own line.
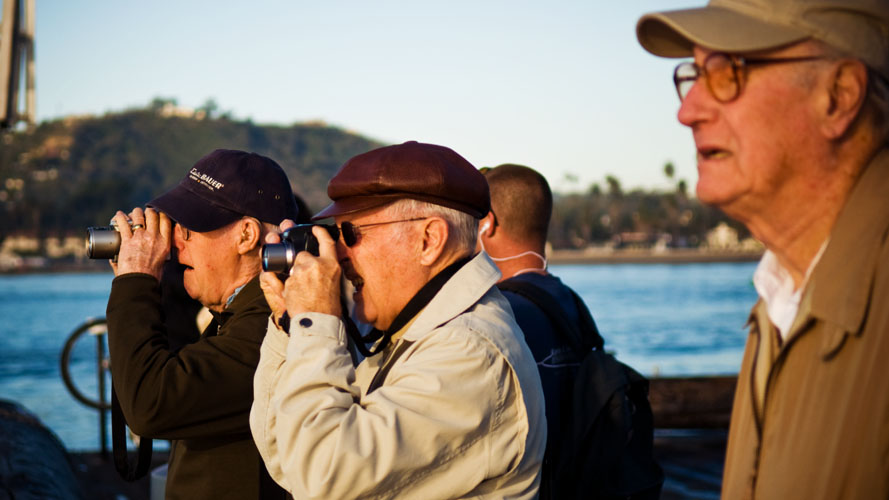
<point>146,237</point>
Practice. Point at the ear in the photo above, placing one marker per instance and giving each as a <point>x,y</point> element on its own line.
<point>435,239</point>
<point>249,235</point>
<point>846,91</point>
<point>486,226</point>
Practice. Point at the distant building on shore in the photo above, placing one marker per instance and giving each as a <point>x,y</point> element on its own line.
<point>724,237</point>
<point>20,252</point>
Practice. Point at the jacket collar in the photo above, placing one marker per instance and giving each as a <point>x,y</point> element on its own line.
<point>842,282</point>
<point>463,290</point>
<point>244,296</point>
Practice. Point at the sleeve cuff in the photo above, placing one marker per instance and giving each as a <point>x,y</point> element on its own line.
<point>134,276</point>
<point>275,338</point>
<point>318,325</point>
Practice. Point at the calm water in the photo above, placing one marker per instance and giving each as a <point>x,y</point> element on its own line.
<point>662,319</point>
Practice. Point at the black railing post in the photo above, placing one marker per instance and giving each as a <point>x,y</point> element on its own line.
<point>100,369</point>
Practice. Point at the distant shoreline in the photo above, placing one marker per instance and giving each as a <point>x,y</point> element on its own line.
<point>637,256</point>
<point>67,267</point>
<point>588,256</point>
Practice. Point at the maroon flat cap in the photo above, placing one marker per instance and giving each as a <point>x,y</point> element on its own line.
<point>424,172</point>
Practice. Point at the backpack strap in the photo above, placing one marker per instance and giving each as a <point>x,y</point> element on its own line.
<point>607,427</point>
<point>583,337</point>
<point>119,445</point>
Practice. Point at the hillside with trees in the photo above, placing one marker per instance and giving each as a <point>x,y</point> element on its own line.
<point>634,218</point>
<point>64,175</point>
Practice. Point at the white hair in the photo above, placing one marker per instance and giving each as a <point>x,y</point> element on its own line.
<point>463,228</point>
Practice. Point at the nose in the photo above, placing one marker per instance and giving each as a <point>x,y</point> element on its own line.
<point>698,105</point>
<point>178,241</point>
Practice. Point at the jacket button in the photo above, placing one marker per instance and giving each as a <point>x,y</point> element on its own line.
<point>305,322</point>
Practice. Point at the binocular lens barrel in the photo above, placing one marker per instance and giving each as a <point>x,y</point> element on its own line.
<point>102,242</point>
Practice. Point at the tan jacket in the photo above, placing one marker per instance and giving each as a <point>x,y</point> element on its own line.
<point>811,416</point>
<point>460,413</point>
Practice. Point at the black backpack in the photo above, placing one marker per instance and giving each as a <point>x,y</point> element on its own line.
<point>608,432</point>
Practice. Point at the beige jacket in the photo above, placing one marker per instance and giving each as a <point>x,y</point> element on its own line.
<point>460,414</point>
<point>811,416</point>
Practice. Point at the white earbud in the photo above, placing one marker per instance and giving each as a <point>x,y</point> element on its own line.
<point>485,227</point>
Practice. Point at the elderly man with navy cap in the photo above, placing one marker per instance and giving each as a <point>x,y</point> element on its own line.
<point>449,404</point>
<point>200,395</point>
<point>788,101</point>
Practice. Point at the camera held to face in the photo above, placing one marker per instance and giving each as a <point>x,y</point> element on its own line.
<point>279,257</point>
<point>103,242</point>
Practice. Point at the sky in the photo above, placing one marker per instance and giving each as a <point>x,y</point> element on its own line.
<point>561,86</point>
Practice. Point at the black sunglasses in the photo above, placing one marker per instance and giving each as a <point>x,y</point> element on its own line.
<point>351,233</point>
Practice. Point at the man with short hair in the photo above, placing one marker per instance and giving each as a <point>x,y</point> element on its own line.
<point>517,225</point>
<point>788,104</point>
<point>451,406</point>
<point>199,396</point>
<point>513,234</point>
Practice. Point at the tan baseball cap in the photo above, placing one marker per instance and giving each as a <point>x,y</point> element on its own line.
<point>859,28</point>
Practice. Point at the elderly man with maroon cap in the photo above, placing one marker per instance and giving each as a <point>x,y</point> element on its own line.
<point>450,404</point>
<point>788,101</point>
<point>199,396</point>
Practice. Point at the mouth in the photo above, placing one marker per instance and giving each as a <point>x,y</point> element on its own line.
<point>353,277</point>
<point>357,282</point>
<point>708,153</point>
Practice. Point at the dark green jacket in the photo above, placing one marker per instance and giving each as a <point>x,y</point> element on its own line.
<point>198,397</point>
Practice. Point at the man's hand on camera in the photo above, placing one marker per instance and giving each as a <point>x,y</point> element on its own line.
<point>314,282</point>
<point>271,285</point>
<point>145,246</point>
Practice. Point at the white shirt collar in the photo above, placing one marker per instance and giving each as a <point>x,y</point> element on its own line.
<point>775,285</point>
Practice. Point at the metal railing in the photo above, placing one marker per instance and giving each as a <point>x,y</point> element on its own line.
<point>98,328</point>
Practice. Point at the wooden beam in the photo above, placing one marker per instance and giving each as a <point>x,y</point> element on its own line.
<point>692,402</point>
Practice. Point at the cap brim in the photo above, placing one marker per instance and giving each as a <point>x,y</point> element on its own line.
<point>676,33</point>
<point>355,204</point>
<point>193,212</point>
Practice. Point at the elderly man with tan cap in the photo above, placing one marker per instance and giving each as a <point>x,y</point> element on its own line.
<point>451,405</point>
<point>788,104</point>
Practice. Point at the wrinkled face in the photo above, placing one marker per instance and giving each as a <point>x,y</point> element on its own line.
<point>751,151</point>
<point>380,265</point>
<point>210,261</point>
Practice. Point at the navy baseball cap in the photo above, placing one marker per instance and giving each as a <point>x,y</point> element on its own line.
<point>226,185</point>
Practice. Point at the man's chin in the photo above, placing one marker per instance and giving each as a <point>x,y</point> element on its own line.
<point>713,192</point>
<point>190,288</point>
<point>358,312</point>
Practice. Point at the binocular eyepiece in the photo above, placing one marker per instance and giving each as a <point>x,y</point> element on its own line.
<point>279,257</point>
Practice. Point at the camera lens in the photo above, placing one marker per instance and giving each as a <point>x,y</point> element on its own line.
<point>277,257</point>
